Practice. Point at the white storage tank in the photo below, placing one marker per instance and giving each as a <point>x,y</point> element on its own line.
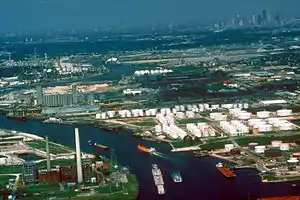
<point>244,115</point>
<point>158,129</point>
<point>284,112</point>
<point>234,110</point>
<point>182,108</point>
<point>259,149</point>
<point>263,114</point>
<point>246,105</point>
<point>220,117</point>
<point>213,115</point>
<point>284,146</point>
<point>98,116</point>
<point>286,126</point>
<point>180,115</point>
<point>229,147</point>
<point>276,143</point>
<point>265,128</point>
<point>251,122</point>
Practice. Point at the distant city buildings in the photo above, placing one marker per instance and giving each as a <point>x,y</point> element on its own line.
<point>264,18</point>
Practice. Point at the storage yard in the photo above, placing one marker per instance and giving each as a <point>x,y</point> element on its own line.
<point>229,131</point>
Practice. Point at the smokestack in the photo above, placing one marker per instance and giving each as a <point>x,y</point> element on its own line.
<point>48,154</point>
<point>78,157</point>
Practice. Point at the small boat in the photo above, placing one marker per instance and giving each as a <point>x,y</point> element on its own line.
<point>176,177</point>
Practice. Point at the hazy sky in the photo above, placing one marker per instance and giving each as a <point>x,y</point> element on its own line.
<point>31,15</point>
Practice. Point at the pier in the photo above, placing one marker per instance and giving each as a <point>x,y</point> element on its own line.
<point>192,148</point>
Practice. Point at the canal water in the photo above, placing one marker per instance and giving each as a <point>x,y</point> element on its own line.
<point>201,180</point>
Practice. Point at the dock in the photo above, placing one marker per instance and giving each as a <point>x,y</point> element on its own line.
<point>191,148</point>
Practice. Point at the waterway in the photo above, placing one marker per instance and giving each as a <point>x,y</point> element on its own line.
<point>201,180</point>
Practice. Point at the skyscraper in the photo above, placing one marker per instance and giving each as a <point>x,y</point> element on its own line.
<point>264,17</point>
<point>254,19</point>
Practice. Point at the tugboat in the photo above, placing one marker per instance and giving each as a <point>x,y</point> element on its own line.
<point>176,177</point>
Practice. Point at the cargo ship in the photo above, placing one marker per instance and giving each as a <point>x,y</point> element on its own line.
<point>176,177</point>
<point>147,150</point>
<point>225,170</point>
<point>158,179</point>
<point>16,117</point>
<point>100,146</point>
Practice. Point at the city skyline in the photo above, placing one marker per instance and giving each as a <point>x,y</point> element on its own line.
<point>38,15</point>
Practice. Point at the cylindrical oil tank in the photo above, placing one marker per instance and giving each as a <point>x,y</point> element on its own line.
<point>259,149</point>
<point>286,126</point>
<point>252,121</point>
<point>180,115</point>
<point>263,114</point>
<point>265,128</point>
<point>276,143</point>
<point>284,147</point>
<point>284,112</point>
<point>213,115</point>
<point>244,115</point>
<point>158,128</point>
<point>220,117</point>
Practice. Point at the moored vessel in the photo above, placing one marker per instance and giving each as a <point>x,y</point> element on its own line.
<point>225,170</point>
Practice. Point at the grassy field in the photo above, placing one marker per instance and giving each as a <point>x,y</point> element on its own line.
<point>14,169</point>
<point>191,120</point>
<point>4,179</point>
<point>42,188</point>
<point>149,123</point>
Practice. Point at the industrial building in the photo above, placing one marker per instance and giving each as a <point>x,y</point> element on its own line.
<point>56,99</point>
<point>29,173</point>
